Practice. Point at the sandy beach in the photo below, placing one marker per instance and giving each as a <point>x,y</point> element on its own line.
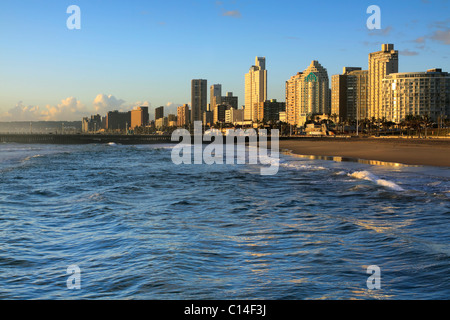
<point>430,152</point>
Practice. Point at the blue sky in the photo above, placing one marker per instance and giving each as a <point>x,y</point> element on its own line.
<point>146,52</point>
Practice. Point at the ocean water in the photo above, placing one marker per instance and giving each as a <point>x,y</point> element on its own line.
<point>140,227</point>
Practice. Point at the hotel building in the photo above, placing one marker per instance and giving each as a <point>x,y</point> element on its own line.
<point>416,93</point>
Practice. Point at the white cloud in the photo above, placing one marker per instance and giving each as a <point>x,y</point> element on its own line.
<point>104,103</point>
<point>69,109</point>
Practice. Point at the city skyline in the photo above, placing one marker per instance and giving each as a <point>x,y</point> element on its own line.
<point>52,73</point>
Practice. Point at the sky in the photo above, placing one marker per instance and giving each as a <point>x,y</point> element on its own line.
<point>131,53</point>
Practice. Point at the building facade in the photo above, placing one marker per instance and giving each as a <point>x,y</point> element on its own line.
<point>381,64</point>
<point>92,124</point>
<point>159,113</point>
<point>416,93</point>
<point>215,96</point>
<point>255,88</point>
<point>308,93</point>
<point>233,115</point>
<point>116,120</point>
<point>269,110</point>
<point>350,94</point>
<point>219,113</point>
<point>198,99</point>
<point>183,116</point>
<point>230,100</point>
<point>139,117</point>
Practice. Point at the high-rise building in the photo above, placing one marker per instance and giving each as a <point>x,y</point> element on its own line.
<point>139,117</point>
<point>215,96</point>
<point>381,64</point>
<point>159,113</point>
<point>349,94</point>
<point>416,93</point>
<point>198,99</point>
<point>183,116</point>
<point>230,100</point>
<point>116,120</point>
<point>255,88</point>
<point>308,93</point>
<point>293,99</point>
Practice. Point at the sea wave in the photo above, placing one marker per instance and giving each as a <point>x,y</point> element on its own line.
<point>367,175</point>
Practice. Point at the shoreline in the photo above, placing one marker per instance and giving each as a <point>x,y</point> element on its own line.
<point>394,151</point>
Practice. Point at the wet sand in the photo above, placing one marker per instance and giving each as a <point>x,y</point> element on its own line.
<point>428,152</point>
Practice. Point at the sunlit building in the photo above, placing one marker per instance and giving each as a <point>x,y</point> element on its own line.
<point>349,94</point>
<point>308,93</point>
<point>416,93</point>
<point>255,88</point>
<point>183,116</point>
<point>381,64</point>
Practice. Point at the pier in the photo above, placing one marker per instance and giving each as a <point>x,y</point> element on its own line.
<point>83,138</point>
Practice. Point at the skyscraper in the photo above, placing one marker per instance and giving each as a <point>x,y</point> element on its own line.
<point>349,94</point>
<point>159,113</point>
<point>255,88</point>
<point>307,93</point>
<point>215,96</point>
<point>381,64</point>
<point>183,117</point>
<point>139,117</point>
<point>198,99</point>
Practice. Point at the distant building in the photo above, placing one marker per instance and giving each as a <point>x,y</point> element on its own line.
<point>172,120</point>
<point>230,100</point>
<point>116,120</point>
<point>219,113</point>
<point>255,88</point>
<point>183,115</point>
<point>139,117</point>
<point>215,96</point>
<point>208,118</point>
<point>159,113</point>
<point>161,123</point>
<point>416,93</point>
<point>92,124</point>
<point>233,115</point>
<point>198,99</point>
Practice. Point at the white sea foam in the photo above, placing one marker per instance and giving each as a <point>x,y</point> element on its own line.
<point>366,175</point>
<point>300,166</point>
